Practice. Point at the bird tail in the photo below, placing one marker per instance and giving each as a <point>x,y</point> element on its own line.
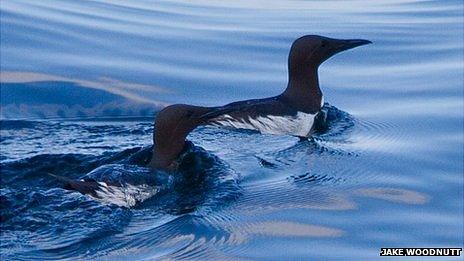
<point>84,187</point>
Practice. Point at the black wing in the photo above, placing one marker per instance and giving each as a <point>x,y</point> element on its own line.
<point>250,108</point>
<point>89,187</point>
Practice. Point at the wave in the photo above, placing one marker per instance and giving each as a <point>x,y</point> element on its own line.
<point>58,99</point>
<point>139,202</point>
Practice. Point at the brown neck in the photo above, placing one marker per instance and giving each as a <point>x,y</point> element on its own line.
<point>303,89</point>
<point>172,126</point>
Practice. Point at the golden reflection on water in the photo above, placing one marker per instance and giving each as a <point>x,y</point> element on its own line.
<point>394,195</point>
<point>125,89</point>
<point>242,234</point>
<point>276,199</point>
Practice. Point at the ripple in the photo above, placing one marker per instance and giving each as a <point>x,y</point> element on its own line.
<point>394,195</point>
<point>378,136</point>
<point>277,197</point>
<point>396,144</point>
<point>177,214</point>
<point>282,229</point>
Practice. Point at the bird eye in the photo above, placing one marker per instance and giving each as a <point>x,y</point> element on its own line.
<point>324,43</point>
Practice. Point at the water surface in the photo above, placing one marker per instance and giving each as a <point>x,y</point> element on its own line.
<point>80,82</point>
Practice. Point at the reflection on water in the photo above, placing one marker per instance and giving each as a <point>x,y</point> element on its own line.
<point>394,195</point>
<point>110,85</point>
<point>281,229</point>
<point>395,139</point>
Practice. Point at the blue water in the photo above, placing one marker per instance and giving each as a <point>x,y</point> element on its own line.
<point>81,81</point>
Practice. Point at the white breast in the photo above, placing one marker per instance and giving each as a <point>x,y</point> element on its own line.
<point>124,196</point>
<point>298,125</point>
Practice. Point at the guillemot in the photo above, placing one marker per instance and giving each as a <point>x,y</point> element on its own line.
<point>294,112</point>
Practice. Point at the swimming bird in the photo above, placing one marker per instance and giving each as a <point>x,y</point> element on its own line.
<point>293,112</point>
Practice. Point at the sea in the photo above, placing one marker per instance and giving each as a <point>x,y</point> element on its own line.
<point>82,82</point>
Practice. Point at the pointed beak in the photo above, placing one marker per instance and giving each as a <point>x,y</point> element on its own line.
<point>343,45</point>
